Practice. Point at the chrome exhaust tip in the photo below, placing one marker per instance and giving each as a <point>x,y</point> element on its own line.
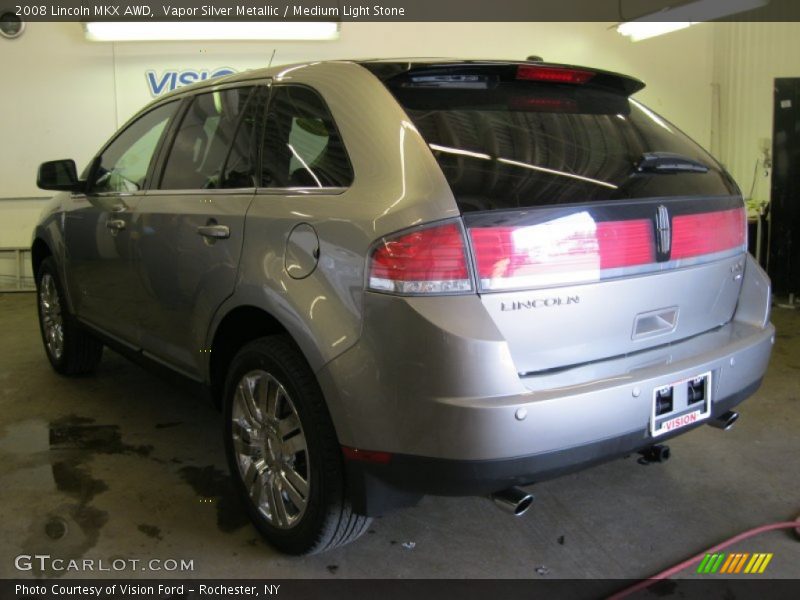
<point>725,421</point>
<point>513,500</point>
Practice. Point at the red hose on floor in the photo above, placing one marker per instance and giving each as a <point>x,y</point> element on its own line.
<point>645,583</point>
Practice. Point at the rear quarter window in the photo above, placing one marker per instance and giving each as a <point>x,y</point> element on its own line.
<point>302,146</point>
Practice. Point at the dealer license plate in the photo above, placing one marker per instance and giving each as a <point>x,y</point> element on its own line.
<point>681,404</point>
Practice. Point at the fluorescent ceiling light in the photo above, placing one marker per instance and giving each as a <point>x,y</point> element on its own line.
<point>642,30</point>
<point>113,31</point>
<point>683,16</point>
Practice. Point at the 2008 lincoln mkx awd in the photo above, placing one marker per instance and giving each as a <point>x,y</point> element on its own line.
<point>410,277</point>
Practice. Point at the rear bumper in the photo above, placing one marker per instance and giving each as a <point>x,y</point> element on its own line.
<point>377,488</point>
<point>438,390</point>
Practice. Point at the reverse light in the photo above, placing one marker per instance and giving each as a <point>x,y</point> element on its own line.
<point>430,260</point>
<point>554,74</point>
<point>571,249</point>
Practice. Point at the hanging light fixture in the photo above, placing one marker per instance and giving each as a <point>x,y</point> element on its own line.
<point>675,18</point>
<point>139,31</point>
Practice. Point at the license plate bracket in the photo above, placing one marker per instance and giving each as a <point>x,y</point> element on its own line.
<point>681,404</point>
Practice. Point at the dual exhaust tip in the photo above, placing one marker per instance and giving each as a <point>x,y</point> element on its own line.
<point>517,501</point>
<point>514,500</point>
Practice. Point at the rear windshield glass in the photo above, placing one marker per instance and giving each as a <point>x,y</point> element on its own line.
<point>525,144</point>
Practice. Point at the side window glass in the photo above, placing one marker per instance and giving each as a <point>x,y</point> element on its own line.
<point>302,147</point>
<point>124,163</point>
<point>203,140</point>
<point>240,168</point>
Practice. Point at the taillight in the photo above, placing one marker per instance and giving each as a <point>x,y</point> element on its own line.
<point>553,74</point>
<point>570,249</point>
<point>708,233</point>
<point>430,260</point>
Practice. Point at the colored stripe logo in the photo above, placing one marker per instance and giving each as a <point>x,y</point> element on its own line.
<point>733,563</point>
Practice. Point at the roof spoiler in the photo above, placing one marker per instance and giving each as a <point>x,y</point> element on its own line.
<point>482,74</point>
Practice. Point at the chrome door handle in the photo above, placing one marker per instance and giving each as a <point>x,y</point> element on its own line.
<point>217,232</point>
<point>115,224</point>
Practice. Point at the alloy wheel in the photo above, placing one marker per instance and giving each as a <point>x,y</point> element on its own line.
<point>52,318</point>
<point>271,449</point>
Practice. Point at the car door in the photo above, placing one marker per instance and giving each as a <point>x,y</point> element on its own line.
<point>190,225</point>
<point>97,228</point>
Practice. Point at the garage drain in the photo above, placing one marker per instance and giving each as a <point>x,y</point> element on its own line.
<point>55,528</point>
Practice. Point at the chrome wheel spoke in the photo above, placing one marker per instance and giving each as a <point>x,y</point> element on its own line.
<point>274,392</point>
<point>277,506</point>
<point>258,488</point>
<point>255,481</point>
<point>247,395</point>
<point>296,487</point>
<point>294,497</point>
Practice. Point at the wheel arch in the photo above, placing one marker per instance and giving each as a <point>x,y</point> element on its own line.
<point>237,327</point>
<point>39,251</point>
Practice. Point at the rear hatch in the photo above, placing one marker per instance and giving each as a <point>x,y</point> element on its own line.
<point>595,228</point>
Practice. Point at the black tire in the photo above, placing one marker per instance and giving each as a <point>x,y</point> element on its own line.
<point>80,352</point>
<point>328,520</point>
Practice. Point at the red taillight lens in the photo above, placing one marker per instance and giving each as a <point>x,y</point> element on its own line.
<point>567,250</point>
<point>372,456</point>
<point>553,74</point>
<point>707,233</point>
<point>571,249</point>
<point>426,261</point>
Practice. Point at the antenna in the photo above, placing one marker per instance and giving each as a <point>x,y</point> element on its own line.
<point>271,57</point>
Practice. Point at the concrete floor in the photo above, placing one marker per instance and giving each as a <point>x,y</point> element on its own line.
<point>123,464</point>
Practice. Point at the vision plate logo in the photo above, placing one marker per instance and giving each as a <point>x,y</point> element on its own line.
<point>172,79</point>
<point>733,563</point>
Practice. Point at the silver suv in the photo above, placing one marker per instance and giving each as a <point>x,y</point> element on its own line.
<point>410,277</point>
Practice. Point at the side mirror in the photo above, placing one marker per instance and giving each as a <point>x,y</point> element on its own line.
<point>59,175</point>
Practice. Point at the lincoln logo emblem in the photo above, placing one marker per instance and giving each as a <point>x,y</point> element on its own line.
<point>663,231</point>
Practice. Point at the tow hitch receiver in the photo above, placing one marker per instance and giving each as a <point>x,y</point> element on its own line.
<point>657,453</point>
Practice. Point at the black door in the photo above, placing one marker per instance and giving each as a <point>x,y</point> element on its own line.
<point>784,255</point>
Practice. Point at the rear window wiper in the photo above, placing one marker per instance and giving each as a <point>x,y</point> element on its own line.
<point>668,162</point>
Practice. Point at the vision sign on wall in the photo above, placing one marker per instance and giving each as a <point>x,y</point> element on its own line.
<point>172,79</point>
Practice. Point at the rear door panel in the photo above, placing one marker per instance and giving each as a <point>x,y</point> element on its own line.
<point>182,275</point>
